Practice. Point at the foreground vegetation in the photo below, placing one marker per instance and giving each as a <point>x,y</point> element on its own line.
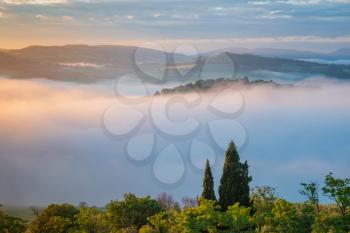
<point>238,209</point>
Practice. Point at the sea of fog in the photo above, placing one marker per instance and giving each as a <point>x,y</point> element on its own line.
<point>66,142</point>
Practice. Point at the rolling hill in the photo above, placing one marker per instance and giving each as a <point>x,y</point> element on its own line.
<point>83,63</point>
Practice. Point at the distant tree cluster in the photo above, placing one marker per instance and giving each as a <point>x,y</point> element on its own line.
<point>208,84</point>
<point>237,210</point>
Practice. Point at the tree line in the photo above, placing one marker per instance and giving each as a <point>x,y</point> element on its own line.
<point>237,209</point>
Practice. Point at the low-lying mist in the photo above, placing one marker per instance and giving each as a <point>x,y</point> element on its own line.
<point>65,143</point>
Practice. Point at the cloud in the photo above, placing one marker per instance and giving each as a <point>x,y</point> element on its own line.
<point>130,17</point>
<point>51,142</point>
<point>157,15</point>
<point>35,2</point>
<point>124,17</point>
<point>259,2</point>
<point>275,15</point>
<point>311,2</point>
<point>299,2</point>
<point>41,17</point>
<point>262,40</point>
<point>67,18</point>
<point>185,16</point>
<point>1,14</point>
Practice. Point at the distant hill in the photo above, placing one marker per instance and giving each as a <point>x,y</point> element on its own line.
<point>246,63</point>
<point>287,53</point>
<point>83,63</point>
<point>80,63</point>
<point>100,54</point>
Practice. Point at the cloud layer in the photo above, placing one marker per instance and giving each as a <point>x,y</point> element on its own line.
<point>322,22</point>
<point>53,148</point>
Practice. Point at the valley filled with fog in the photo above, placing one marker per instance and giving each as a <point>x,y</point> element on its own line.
<point>70,142</point>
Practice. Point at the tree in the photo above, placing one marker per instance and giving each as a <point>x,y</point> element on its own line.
<point>35,210</point>
<point>329,223</point>
<point>306,216</point>
<point>132,212</point>
<point>263,199</point>
<point>204,218</point>
<point>234,183</point>
<point>163,222</point>
<point>310,190</point>
<point>339,191</point>
<point>167,202</point>
<point>189,202</point>
<point>9,224</point>
<point>208,184</point>
<point>283,218</point>
<point>55,219</point>
<point>91,220</point>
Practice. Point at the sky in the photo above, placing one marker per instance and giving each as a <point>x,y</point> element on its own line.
<point>318,25</point>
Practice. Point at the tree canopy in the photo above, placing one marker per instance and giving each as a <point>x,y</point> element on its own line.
<point>234,183</point>
<point>208,183</point>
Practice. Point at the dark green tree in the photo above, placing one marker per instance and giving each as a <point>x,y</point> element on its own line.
<point>208,183</point>
<point>234,183</point>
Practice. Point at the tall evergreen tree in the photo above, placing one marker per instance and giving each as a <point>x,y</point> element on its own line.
<point>234,183</point>
<point>208,184</point>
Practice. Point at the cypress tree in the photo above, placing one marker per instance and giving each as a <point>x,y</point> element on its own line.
<point>208,183</point>
<point>234,183</point>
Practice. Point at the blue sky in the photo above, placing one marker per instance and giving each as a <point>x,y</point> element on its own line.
<point>321,25</point>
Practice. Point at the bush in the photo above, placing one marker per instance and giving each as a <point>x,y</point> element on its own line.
<point>55,219</point>
<point>132,212</point>
<point>10,224</point>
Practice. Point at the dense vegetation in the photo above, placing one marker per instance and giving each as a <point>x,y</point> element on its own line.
<point>209,84</point>
<point>237,209</point>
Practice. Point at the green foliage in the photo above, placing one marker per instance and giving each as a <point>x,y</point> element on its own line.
<point>132,212</point>
<point>203,218</point>
<point>263,199</point>
<point>91,220</point>
<point>339,191</point>
<point>10,224</point>
<point>234,183</point>
<point>327,223</point>
<point>310,191</point>
<point>163,222</point>
<point>147,229</point>
<point>55,219</point>
<point>307,217</point>
<point>239,218</point>
<point>208,183</point>
<point>206,217</point>
<point>283,218</point>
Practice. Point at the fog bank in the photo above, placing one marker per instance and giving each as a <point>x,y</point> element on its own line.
<point>61,143</point>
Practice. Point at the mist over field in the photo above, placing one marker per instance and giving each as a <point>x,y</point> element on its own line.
<point>55,142</point>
